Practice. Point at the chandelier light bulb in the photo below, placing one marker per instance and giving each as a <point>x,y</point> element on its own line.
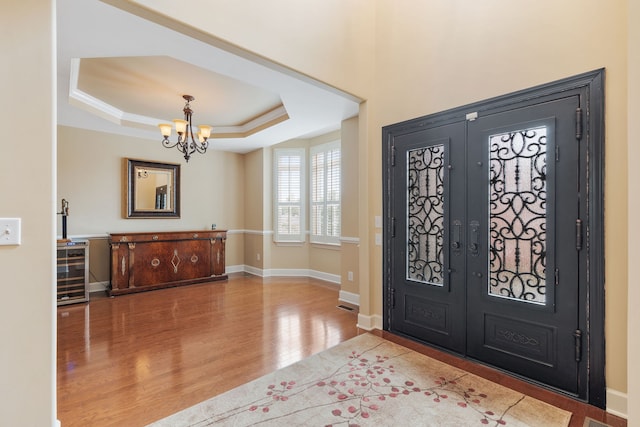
<point>165,129</point>
<point>181,126</point>
<point>205,131</point>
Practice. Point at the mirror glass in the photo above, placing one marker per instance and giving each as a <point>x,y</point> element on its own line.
<point>153,189</point>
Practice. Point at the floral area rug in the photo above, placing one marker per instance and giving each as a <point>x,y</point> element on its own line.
<point>369,381</point>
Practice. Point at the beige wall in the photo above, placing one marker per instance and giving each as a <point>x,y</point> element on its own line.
<point>91,176</point>
<point>99,260</point>
<point>325,259</point>
<point>254,213</point>
<point>330,40</point>
<point>27,182</point>
<point>633,144</point>
<point>349,156</point>
<point>350,219</point>
<point>288,256</point>
<point>234,251</point>
<point>434,55</point>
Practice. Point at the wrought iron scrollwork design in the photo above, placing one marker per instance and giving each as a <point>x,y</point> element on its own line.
<point>425,215</point>
<point>517,215</point>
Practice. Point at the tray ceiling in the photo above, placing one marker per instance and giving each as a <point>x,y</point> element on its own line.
<point>124,75</point>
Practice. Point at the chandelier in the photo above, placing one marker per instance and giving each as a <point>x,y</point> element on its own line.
<point>186,143</point>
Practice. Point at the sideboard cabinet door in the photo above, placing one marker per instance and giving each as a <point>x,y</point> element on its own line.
<point>217,255</point>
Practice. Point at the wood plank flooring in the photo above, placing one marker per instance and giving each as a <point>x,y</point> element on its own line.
<point>134,359</point>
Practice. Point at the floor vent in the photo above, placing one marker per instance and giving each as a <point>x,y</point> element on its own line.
<point>344,307</point>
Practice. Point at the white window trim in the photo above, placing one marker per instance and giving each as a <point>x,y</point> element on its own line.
<point>324,239</point>
<point>290,238</point>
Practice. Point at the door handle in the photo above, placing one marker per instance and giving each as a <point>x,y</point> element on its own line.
<point>474,246</point>
<point>455,239</point>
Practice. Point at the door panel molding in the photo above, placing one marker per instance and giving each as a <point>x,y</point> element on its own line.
<point>589,303</point>
<point>521,339</point>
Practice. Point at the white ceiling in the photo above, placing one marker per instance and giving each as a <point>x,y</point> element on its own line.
<point>122,74</point>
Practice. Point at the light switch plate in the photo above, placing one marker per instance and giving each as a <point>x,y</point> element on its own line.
<point>9,231</point>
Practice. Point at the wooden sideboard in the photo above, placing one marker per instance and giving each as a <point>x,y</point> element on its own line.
<point>146,261</point>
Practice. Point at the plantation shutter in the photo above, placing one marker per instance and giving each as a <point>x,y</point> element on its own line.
<point>325,193</point>
<point>289,197</point>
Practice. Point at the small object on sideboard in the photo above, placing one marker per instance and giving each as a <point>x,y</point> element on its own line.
<point>147,261</point>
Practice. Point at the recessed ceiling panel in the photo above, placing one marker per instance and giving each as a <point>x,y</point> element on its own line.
<point>153,86</point>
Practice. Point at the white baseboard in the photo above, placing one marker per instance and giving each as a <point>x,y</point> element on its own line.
<point>98,286</point>
<point>369,323</point>
<point>617,403</point>
<point>327,277</point>
<point>234,269</point>
<point>253,270</point>
<point>349,297</point>
<point>286,272</point>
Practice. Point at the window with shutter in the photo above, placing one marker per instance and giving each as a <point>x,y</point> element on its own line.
<point>325,193</point>
<point>289,195</point>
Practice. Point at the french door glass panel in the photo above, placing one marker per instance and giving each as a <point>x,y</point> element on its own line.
<point>425,215</point>
<point>517,215</point>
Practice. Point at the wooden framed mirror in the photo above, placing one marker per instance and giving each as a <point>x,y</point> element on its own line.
<point>153,189</point>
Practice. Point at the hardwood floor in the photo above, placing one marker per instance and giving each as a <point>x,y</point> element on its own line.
<point>134,359</point>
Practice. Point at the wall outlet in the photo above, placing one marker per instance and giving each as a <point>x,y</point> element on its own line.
<point>258,257</point>
<point>350,276</point>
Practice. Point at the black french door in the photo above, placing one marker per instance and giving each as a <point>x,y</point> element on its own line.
<point>429,291</point>
<point>521,258</point>
<point>485,238</point>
